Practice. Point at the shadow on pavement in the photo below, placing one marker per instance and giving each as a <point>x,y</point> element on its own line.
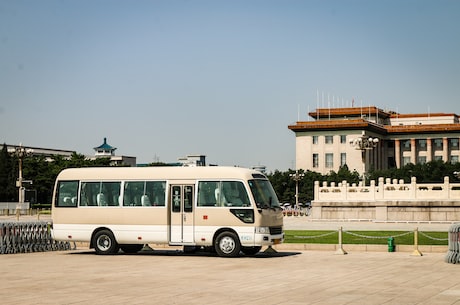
<point>169,252</point>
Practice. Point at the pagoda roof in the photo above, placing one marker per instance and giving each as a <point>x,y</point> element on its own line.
<point>105,146</point>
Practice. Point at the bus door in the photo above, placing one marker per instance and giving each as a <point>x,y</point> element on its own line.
<point>181,216</point>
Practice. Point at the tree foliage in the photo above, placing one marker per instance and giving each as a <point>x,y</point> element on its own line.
<point>40,171</point>
<point>430,172</point>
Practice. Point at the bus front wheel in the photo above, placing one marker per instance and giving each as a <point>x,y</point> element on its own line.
<point>105,243</point>
<point>227,244</point>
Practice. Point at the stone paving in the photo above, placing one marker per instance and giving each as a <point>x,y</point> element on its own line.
<point>168,276</point>
<point>291,276</point>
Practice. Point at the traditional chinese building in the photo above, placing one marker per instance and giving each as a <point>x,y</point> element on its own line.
<point>369,137</point>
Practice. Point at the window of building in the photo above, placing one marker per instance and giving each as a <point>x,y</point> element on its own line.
<point>453,143</point>
<point>406,145</point>
<point>437,144</point>
<point>329,139</point>
<point>421,160</point>
<point>343,159</point>
<point>421,144</point>
<point>315,139</point>
<point>437,158</point>
<point>453,159</point>
<point>315,160</point>
<point>406,160</point>
<point>144,193</point>
<point>329,160</point>
<point>343,139</point>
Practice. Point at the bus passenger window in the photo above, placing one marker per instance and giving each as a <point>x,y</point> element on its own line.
<point>67,194</point>
<point>100,193</point>
<point>206,193</point>
<point>156,191</point>
<point>144,193</point>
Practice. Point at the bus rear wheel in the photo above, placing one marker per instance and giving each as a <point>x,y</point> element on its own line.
<point>227,244</point>
<point>104,243</point>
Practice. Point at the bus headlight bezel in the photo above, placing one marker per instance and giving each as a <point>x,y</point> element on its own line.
<point>263,230</point>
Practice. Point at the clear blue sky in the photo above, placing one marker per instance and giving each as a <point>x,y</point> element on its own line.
<point>163,79</point>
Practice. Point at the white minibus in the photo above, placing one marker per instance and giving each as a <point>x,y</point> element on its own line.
<point>225,209</point>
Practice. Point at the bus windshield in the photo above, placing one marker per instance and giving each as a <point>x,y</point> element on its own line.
<point>264,194</point>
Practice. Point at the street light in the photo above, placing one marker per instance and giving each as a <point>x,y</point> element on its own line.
<point>364,143</point>
<point>296,177</point>
<point>21,152</point>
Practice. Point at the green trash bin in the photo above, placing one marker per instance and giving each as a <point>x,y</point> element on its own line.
<point>391,244</point>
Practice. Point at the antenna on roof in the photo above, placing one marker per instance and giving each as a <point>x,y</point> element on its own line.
<point>298,112</point>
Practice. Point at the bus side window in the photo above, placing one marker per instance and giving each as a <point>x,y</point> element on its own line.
<point>66,194</point>
<point>206,193</point>
<point>234,194</point>
<point>156,190</point>
<point>100,193</point>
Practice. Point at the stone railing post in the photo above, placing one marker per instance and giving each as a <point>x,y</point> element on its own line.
<point>446,188</point>
<point>316,191</point>
<point>413,188</point>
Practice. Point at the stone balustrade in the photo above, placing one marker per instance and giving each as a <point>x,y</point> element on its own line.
<point>387,189</point>
<point>389,200</point>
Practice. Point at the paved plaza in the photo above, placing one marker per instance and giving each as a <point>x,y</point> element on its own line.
<point>291,276</point>
<point>168,276</point>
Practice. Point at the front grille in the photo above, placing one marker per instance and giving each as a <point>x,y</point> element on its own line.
<point>276,230</point>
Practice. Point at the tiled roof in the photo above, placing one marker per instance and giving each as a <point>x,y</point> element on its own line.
<point>105,146</point>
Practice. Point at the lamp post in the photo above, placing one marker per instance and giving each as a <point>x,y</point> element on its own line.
<point>297,177</point>
<point>21,152</point>
<point>364,143</point>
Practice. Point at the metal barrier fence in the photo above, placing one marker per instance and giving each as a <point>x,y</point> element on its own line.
<point>26,237</point>
<point>453,253</point>
<point>390,239</point>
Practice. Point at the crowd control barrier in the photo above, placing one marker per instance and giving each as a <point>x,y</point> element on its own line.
<point>25,237</point>
<point>453,253</point>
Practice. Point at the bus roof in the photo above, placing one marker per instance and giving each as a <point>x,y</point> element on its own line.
<point>158,172</point>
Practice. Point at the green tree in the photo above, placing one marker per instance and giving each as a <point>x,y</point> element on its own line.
<point>8,191</point>
<point>43,172</point>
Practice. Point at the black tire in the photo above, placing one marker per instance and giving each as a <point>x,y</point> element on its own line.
<point>227,244</point>
<point>104,243</point>
<point>251,250</point>
<point>129,249</point>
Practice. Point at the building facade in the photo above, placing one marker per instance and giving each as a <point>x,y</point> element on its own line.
<point>338,136</point>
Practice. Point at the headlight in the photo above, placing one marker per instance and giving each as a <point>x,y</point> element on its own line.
<point>263,230</point>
